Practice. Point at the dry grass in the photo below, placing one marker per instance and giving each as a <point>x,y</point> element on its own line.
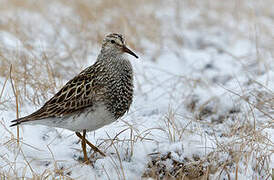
<point>250,145</point>
<point>74,36</point>
<point>52,43</point>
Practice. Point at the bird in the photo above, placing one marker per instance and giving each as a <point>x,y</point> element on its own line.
<point>97,96</point>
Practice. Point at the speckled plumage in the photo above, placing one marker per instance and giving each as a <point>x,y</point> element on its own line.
<point>97,96</point>
<point>108,82</point>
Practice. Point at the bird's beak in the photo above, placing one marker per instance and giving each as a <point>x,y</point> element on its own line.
<point>125,49</point>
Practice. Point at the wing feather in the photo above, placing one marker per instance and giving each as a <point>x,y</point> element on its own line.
<point>77,94</point>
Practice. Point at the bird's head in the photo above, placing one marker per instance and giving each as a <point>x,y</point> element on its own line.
<point>115,44</point>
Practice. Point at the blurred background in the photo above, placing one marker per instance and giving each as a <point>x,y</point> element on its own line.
<point>205,71</point>
<point>46,39</point>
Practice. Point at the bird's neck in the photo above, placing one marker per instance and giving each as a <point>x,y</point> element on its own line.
<point>113,58</point>
<point>107,53</point>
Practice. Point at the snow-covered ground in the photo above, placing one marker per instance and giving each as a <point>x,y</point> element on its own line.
<point>204,82</point>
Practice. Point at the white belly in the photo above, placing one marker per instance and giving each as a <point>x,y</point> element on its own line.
<point>90,119</point>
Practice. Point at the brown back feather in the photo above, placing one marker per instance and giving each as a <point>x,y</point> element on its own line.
<point>78,93</point>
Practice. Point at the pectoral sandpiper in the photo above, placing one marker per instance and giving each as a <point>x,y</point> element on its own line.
<point>98,96</point>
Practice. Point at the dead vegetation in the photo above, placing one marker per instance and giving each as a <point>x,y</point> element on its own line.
<point>164,166</point>
<point>244,142</point>
<point>36,54</point>
<point>52,45</point>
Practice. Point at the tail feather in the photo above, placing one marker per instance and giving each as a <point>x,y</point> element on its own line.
<point>19,121</point>
<point>34,116</point>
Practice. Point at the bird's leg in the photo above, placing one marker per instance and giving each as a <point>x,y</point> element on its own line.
<point>91,145</point>
<point>84,147</point>
<point>95,148</point>
<point>83,142</point>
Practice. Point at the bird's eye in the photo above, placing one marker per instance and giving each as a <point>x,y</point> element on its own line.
<point>112,41</point>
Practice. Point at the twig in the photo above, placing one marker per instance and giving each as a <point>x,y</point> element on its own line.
<point>4,85</point>
<point>16,100</point>
<point>245,99</point>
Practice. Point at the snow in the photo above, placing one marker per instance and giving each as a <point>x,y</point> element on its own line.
<point>214,67</point>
